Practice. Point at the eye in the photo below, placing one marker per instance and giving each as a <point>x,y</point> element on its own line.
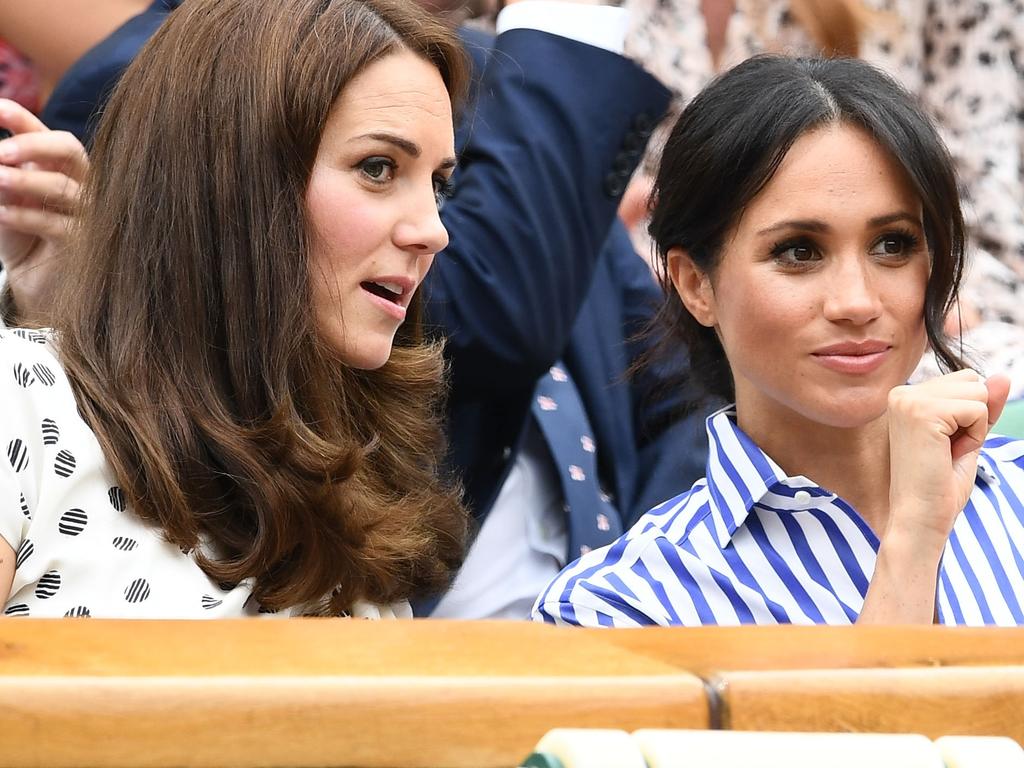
<point>895,245</point>
<point>443,189</point>
<point>796,253</point>
<point>379,170</point>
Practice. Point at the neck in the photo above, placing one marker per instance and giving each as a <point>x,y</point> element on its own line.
<point>851,462</point>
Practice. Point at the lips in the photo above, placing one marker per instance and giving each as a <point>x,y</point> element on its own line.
<point>390,293</point>
<point>853,357</point>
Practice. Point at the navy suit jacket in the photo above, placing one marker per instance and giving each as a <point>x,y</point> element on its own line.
<point>540,269</point>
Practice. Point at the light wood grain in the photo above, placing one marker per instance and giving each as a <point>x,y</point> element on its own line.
<point>317,692</point>
<point>708,650</point>
<point>984,701</point>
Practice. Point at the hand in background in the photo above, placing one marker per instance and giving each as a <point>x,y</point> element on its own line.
<point>40,176</point>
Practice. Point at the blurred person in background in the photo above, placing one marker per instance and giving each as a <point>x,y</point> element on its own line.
<point>52,34</point>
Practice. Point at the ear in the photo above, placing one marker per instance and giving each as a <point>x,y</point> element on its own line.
<point>693,286</point>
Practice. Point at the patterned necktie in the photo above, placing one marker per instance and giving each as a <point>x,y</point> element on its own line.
<point>592,520</point>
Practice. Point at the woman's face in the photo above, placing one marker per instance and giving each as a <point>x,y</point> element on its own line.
<point>384,158</point>
<point>818,298</point>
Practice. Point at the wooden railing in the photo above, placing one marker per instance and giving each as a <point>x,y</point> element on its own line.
<point>436,694</point>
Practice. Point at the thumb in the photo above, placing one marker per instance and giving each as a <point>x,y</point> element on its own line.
<point>998,386</point>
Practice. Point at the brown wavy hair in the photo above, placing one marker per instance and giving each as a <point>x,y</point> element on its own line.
<point>188,329</point>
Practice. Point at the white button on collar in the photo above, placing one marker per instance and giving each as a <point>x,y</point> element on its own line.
<point>803,498</point>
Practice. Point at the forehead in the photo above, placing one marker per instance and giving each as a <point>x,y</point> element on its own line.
<point>837,170</point>
<point>399,90</point>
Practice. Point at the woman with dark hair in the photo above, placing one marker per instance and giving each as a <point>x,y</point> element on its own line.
<point>964,62</point>
<point>237,413</point>
<point>811,242</point>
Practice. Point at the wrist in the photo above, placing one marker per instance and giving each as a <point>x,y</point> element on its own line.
<point>904,552</point>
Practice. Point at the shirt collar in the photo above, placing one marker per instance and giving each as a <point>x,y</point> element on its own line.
<point>740,475</point>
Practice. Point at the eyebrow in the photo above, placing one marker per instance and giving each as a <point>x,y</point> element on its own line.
<point>813,225</point>
<point>409,147</point>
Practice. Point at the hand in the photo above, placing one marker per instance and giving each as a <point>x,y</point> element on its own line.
<point>935,432</point>
<point>40,176</point>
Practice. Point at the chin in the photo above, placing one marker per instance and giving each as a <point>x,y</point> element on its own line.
<point>365,359</point>
<point>849,410</point>
<point>369,353</point>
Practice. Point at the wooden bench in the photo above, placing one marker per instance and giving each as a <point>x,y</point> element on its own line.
<point>930,680</point>
<point>317,692</point>
<point>979,701</point>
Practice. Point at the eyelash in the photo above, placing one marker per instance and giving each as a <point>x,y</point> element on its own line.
<point>443,187</point>
<point>909,241</point>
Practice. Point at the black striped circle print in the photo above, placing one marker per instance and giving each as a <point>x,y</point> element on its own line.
<point>73,522</point>
<point>25,550</point>
<point>33,336</point>
<point>48,585</point>
<point>44,374</point>
<point>124,543</point>
<point>64,464</point>
<point>117,501</point>
<point>51,432</point>
<point>78,612</point>
<point>137,591</point>
<point>24,507</point>
<point>20,609</point>
<point>18,454</point>
<point>210,602</point>
<point>23,375</point>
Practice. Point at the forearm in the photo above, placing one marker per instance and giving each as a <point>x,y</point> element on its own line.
<point>904,584</point>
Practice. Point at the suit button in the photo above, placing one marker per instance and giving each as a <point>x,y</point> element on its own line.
<point>506,452</point>
<point>624,162</point>
<point>614,184</point>
<point>643,124</point>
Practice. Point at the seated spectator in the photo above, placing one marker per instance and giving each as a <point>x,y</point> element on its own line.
<point>808,227</point>
<point>232,417</point>
<point>53,34</point>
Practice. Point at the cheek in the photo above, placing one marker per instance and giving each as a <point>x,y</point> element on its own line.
<point>346,228</point>
<point>754,315</point>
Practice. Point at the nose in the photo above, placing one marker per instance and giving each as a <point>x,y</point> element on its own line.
<point>853,295</point>
<point>419,230</point>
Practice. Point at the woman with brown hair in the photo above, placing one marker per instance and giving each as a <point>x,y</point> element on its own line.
<point>238,411</point>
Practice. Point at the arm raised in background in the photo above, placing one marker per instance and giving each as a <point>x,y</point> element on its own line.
<point>55,33</point>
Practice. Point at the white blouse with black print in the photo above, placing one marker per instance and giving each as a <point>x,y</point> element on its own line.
<point>80,551</point>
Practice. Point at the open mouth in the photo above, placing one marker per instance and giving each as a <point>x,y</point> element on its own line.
<point>388,291</point>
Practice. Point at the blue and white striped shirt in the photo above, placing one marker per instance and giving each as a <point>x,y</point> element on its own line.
<point>749,545</point>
